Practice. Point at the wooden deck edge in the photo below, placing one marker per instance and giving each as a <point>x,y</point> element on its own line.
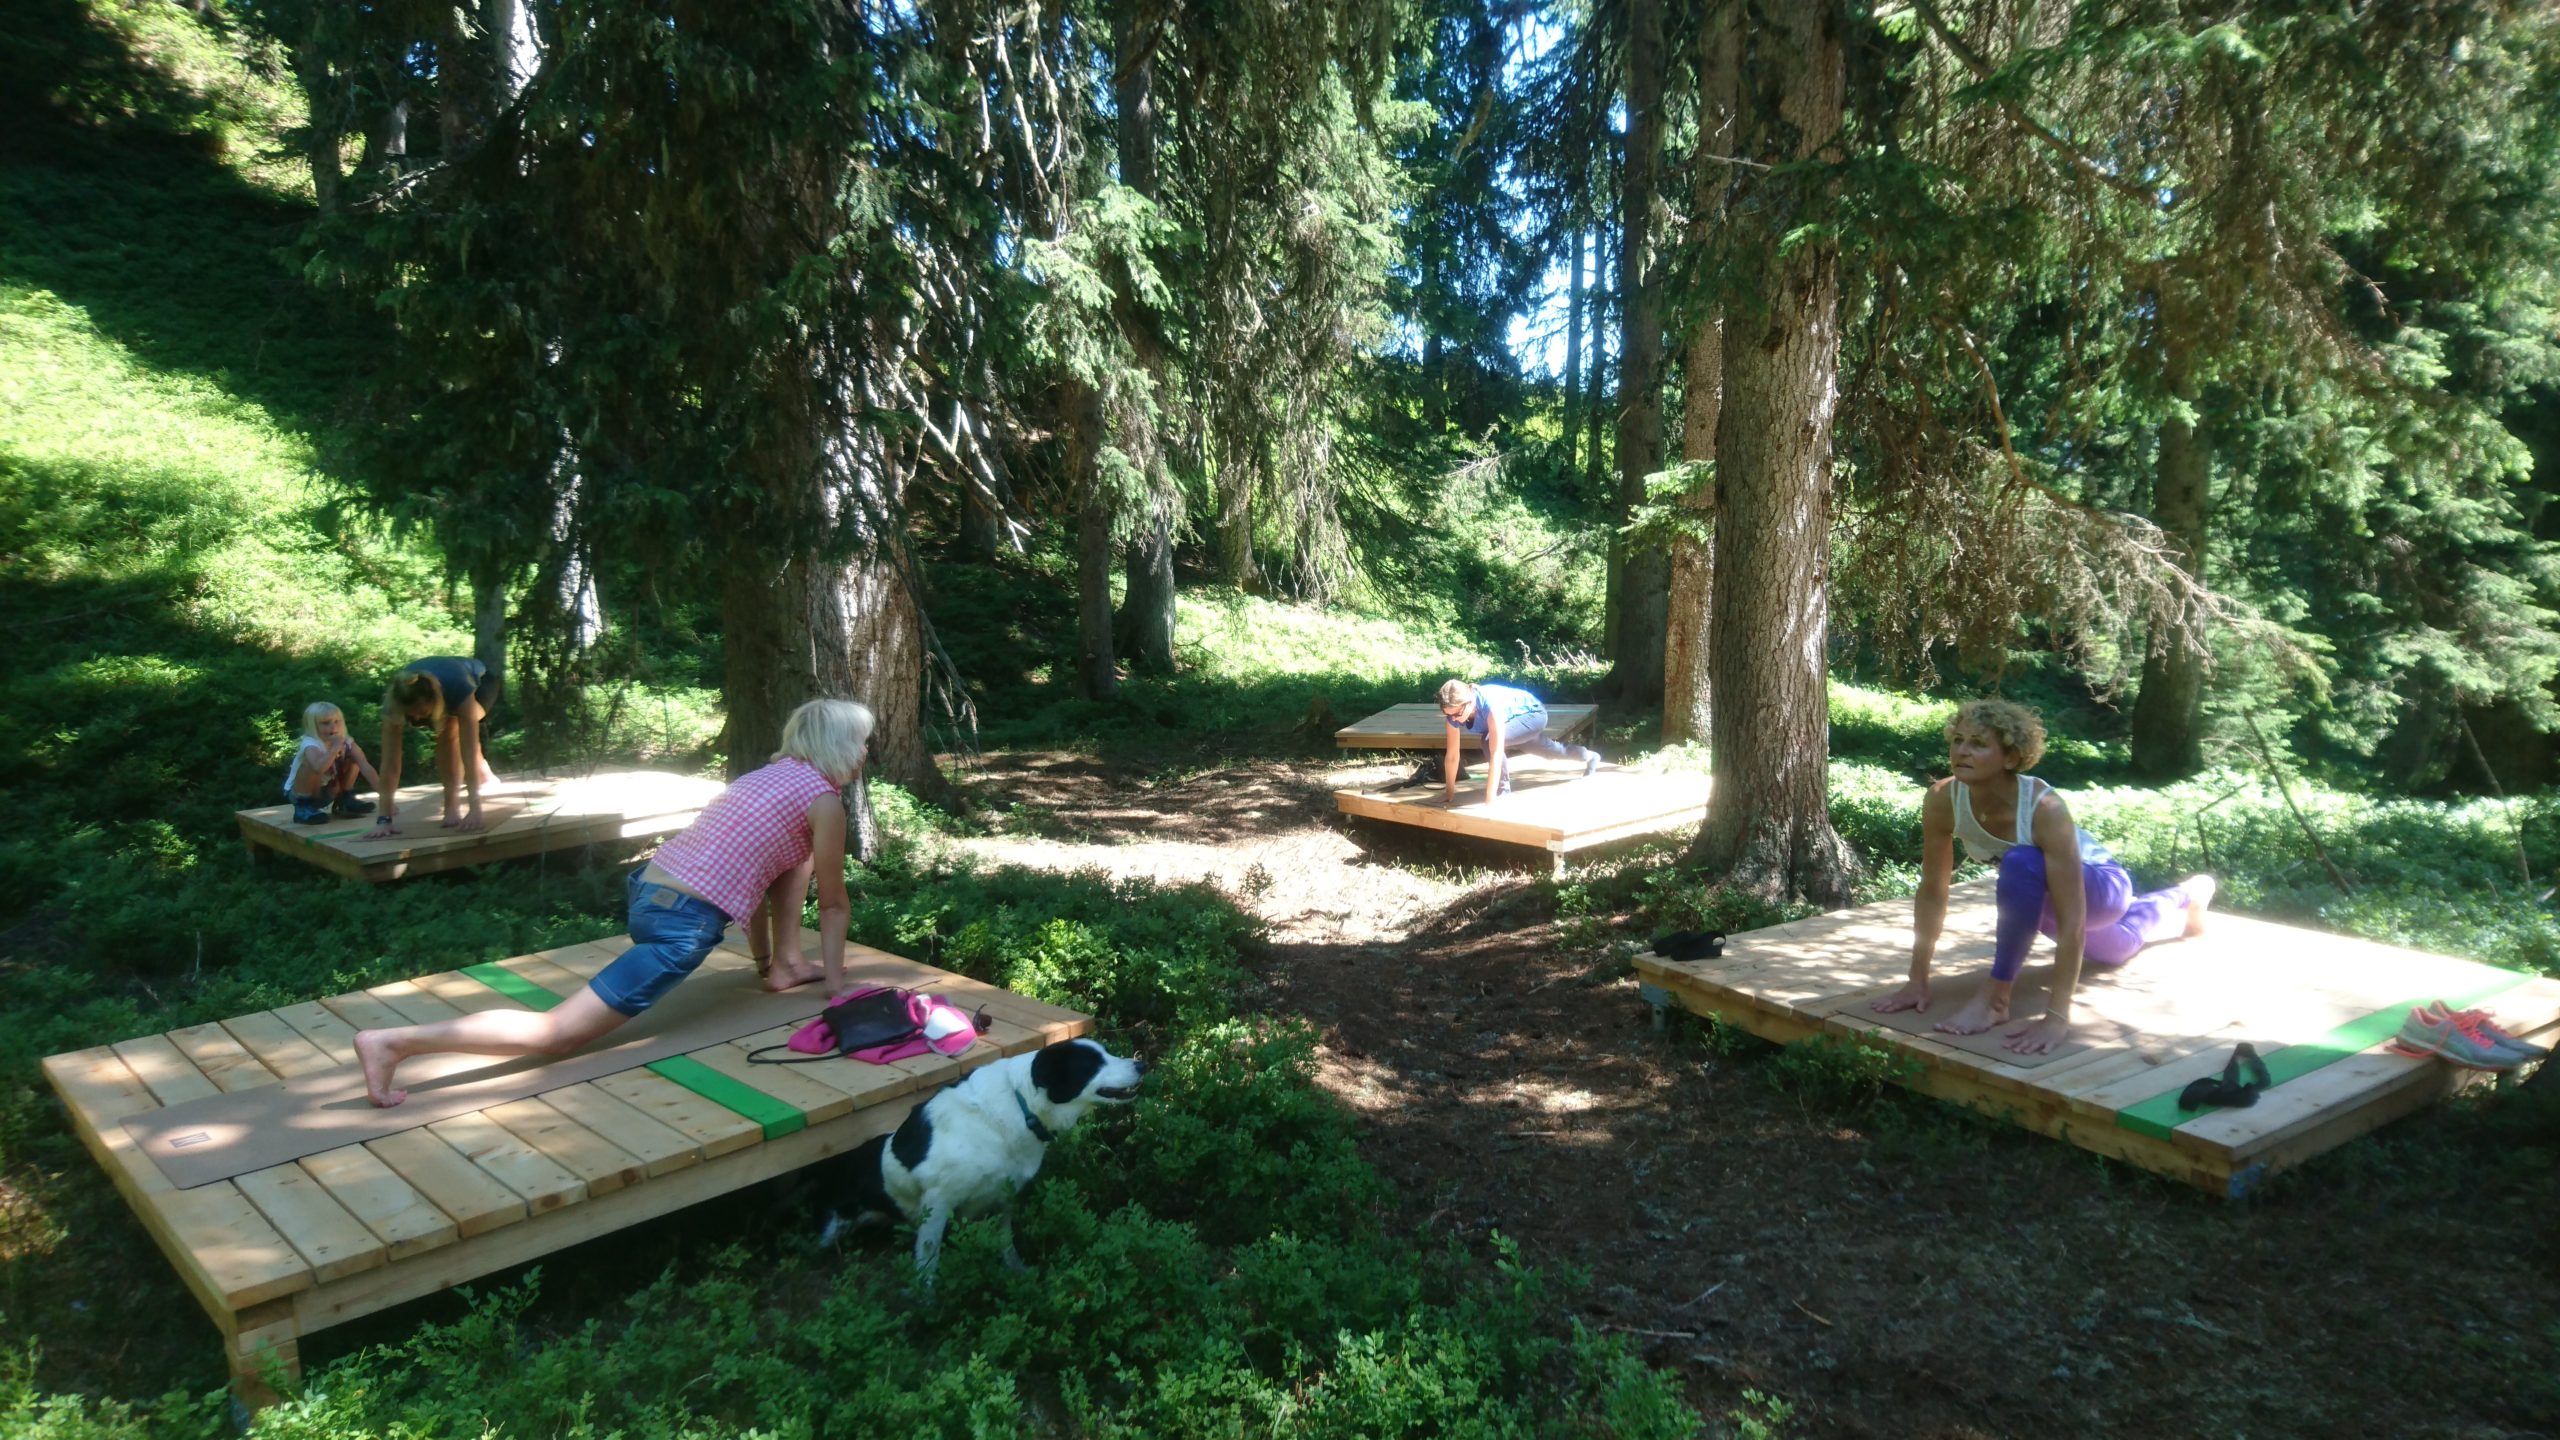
<point>1633,829</point>
<point>1995,1096</point>
<point>552,1231</point>
<point>218,1304</point>
<point>1354,802</point>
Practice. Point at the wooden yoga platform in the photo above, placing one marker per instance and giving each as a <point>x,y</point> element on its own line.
<point>1418,727</point>
<point>278,1252</point>
<point>2318,1007</point>
<point>1556,810</point>
<point>525,817</point>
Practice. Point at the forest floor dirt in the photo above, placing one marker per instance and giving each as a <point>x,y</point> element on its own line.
<point>1887,1265</point>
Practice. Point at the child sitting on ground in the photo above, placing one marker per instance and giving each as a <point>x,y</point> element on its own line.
<point>320,780</point>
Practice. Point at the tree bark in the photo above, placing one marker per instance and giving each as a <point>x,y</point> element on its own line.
<point>1643,571</point>
<point>327,130</point>
<point>1080,426</point>
<point>1573,361</point>
<point>2168,714</point>
<point>1768,829</point>
<point>1687,707</point>
<point>1145,630</point>
<point>980,534</point>
<point>1595,375</point>
<point>489,628</point>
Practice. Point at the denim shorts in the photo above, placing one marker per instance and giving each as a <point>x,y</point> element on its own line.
<point>671,932</point>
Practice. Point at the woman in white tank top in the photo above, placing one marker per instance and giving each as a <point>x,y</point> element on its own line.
<point>2054,879</point>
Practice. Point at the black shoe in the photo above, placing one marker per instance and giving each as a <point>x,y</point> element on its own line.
<point>2229,1088</point>
<point>310,812</point>
<point>350,806</point>
<point>1689,945</point>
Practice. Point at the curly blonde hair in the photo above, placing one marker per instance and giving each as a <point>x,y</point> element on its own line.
<point>2014,725</point>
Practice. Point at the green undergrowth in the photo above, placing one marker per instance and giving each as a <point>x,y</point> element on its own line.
<point>1252,673</point>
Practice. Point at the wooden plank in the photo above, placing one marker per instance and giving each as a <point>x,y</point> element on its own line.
<point>402,1218</point>
<point>716,1128</point>
<point>549,1233</point>
<point>543,1183</point>
<point>412,1002</point>
<point>334,1243</point>
<point>603,1165</point>
<point>463,994</point>
<point>447,1178</point>
<point>278,1046</point>
<point>362,1011</point>
<point>220,1058</point>
<point>323,1027</point>
<point>658,1147</point>
<point>820,1103</point>
<point>165,1071</point>
<point>224,1250</point>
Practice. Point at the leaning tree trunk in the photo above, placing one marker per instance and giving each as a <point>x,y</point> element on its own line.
<point>1768,828</point>
<point>2168,716</point>
<point>1643,572</point>
<point>1686,695</point>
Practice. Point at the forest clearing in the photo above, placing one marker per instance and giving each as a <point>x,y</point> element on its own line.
<point>1586,718</point>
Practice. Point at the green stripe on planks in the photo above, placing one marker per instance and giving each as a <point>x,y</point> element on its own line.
<point>512,985</point>
<point>777,1118</point>
<point>2160,1114</point>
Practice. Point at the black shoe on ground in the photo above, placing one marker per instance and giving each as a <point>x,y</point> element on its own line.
<point>310,812</point>
<point>350,806</point>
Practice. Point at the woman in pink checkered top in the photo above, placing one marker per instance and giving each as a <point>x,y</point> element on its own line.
<point>748,857</point>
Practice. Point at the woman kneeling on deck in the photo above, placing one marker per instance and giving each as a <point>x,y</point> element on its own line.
<point>747,857</point>
<point>2053,879</point>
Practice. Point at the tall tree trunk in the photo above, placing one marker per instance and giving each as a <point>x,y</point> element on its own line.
<point>879,635</point>
<point>1643,572</point>
<point>489,627</point>
<point>325,134</point>
<point>1145,631</point>
<point>1595,370</point>
<point>980,534</point>
<point>1573,360</point>
<point>2168,716</point>
<point>1080,425</point>
<point>1768,829</point>
<point>1235,524</point>
<point>772,625</point>
<point>1686,694</point>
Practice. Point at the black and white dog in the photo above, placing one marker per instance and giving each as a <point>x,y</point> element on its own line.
<point>969,1150</point>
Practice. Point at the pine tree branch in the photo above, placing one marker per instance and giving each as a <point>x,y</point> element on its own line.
<point>1983,70</point>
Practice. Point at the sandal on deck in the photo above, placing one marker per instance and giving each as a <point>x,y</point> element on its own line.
<point>2228,1088</point>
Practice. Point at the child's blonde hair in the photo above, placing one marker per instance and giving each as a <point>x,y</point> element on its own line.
<point>829,735</point>
<point>2012,724</point>
<point>311,714</point>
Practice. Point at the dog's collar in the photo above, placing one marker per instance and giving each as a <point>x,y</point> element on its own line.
<point>1039,1131</point>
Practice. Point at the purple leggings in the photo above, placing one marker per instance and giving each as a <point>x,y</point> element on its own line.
<point>2118,923</point>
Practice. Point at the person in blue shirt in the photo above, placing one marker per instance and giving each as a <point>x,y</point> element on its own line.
<point>1506,719</point>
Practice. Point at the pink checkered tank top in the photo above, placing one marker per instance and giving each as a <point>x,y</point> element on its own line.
<point>753,832</point>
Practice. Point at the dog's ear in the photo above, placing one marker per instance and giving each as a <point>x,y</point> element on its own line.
<point>1062,1071</point>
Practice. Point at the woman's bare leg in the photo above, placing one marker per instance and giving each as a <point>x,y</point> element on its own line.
<point>573,1024</point>
<point>782,902</point>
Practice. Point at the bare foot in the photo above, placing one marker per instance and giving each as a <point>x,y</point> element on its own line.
<point>780,978</point>
<point>374,1053</point>
<point>1979,1014</point>
<point>2199,892</point>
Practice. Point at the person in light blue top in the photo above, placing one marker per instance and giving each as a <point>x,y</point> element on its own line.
<point>1506,719</point>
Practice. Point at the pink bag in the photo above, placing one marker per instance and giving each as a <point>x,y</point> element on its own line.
<point>933,1025</point>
